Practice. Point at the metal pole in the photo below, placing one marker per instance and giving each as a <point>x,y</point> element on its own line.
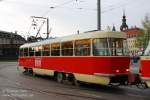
<point>47,28</point>
<point>98,14</point>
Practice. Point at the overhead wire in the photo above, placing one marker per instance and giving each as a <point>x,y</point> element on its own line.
<point>120,6</point>
<point>60,5</point>
<point>108,8</point>
<point>67,2</point>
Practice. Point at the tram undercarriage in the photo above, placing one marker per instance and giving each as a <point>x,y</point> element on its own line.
<point>117,80</point>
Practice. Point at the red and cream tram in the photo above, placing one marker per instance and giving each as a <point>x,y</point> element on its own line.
<point>94,57</point>
<point>145,66</point>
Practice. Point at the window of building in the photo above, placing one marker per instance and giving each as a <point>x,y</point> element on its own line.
<point>31,51</point>
<point>82,47</point>
<point>38,50</point>
<point>46,50</point>
<point>67,48</point>
<point>100,47</point>
<point>25,51</point>
<point>55,49</point>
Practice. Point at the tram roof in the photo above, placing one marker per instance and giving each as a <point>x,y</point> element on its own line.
<point>86,35</point>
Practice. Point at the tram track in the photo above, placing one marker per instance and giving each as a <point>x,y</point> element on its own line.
<point>53,92</point>
<point>67,94</point>
<point>58,87</point>
<point>48,92</point>
<point>8,95</point>
<point>14,97</point>
<point>23,82</point>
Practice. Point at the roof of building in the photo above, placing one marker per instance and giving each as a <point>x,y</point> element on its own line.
<point>132,31</point>
<point>10,35</point>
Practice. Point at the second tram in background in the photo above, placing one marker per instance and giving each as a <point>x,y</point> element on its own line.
<point>94,57</point>
<point>145,66</point>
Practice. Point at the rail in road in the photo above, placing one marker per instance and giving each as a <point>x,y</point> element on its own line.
<point>13,82</point>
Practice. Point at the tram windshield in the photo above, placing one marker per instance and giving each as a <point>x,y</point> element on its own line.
<point>109,47</point>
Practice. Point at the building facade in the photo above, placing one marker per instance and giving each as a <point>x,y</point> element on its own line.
<point>132,34</point>
<point>9,45</point>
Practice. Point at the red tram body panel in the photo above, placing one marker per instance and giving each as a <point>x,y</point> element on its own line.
<point>84,65</point>
<point>145,69</point>
<point>145,66</point>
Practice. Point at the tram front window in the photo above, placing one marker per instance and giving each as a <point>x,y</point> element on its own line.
<point>109,47</point>
<point>117,47</point>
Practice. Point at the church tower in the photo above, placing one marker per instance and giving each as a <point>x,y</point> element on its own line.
<point>124,26</point>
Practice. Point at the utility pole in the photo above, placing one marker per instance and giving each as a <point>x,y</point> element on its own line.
<point>47,28</point>
<point>98,14</point>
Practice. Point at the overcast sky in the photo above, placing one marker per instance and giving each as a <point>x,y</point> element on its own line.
<point>70,15</point>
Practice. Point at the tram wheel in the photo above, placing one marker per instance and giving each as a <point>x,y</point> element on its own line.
<point>25,71</point>
<point>59,77</point>
<point>30,71</point>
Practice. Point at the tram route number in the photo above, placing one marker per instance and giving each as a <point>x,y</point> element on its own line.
<point>37,62</point>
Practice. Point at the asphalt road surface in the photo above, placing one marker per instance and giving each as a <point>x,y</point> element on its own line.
<point>16,86</point>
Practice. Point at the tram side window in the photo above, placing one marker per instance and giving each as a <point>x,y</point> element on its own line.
<point>46,50</point>
<point>55,49</point>
<point>31,51</point>
<point>82,47</point>
<point>100,47</point>
<point>38,50</point>
<point>25,51</point>
<point>67,49</point>
<point>21,52</point>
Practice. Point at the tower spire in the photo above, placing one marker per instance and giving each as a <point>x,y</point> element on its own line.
<point>124,26</point>
<point>124,13</point>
